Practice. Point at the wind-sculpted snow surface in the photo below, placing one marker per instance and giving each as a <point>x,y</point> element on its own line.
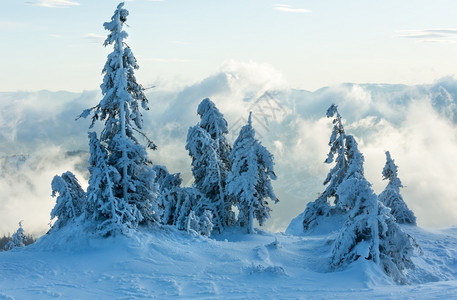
<point>166,264</point>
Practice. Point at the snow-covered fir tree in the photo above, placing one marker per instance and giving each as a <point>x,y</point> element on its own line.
<point>70,199</point>
<point>111,214</point>
<point>202,225</point>
<point>169,193</point>
<point>210,151</point>
<point>360,235</point>
<point>180,202</point>
<point>120,111</point>
<point>166,181</point>
<point>321,206</point>
<point>206,223</point>
<point>391,196</point>
<point>395,246</point>
<point>213,121</point>
<point>193,223</point>
<point>18,239</point>
<point>207,169</point>
<point>188,199</point>
<point>337,147</point>
<point>249,181</point>
<point>370,231</point>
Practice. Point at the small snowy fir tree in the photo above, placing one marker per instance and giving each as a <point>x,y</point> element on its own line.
<point>111,214</point>
<point>391,196</point>
<point>18,239</point>
<point>193,223</point>
<point>70,201</point>
<point>120,110</point>
<point>321,206</point>
<point>206,223</point>
<point>249,180</point>
<point>202,225</point>
<point>370,232</point>
<point>169,187</point>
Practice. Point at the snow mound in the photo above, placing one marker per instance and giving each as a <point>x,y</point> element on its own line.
<point>326,225</point>
<point>165,263</point>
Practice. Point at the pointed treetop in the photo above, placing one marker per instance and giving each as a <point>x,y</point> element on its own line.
<point>390,170</point>
<point>391,196</point>
<point>205,106</point>
<point>354,157</point>
<point>332,110</point>
<point>247,130</point>
<point>211,119</point>
<point>115,26</point>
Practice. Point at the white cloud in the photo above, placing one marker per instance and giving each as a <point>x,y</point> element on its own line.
<point>290,9</point>
<point>434,35</point>
<point>26,190</point>
<point>405,120</point>
<point>94,38</point>
<point>53,3</point>
<point>423,147</point>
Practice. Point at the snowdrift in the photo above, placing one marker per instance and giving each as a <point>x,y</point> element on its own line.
<point>165,263</point>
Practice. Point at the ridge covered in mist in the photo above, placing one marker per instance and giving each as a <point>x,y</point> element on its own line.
<point>417,124</point>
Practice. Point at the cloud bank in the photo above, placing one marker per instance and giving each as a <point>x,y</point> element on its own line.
<point>417,124</point>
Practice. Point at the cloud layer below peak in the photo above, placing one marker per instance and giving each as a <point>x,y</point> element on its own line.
<point>417,124</point>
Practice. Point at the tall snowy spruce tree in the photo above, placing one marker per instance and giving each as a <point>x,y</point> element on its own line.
<point>210,151</point>
<point>70,199</point>
<point>370,231</point>
<point>391,196</point>
<point>249,181</point>
<point>133,184</point>
<point>321,206</point>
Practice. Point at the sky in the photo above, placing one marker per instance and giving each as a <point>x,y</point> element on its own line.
<point>57,44</point>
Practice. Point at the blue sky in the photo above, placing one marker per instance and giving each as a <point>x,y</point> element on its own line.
<point>57,44</point>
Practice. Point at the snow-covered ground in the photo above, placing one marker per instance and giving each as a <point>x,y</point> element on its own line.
<point>165,263</point>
